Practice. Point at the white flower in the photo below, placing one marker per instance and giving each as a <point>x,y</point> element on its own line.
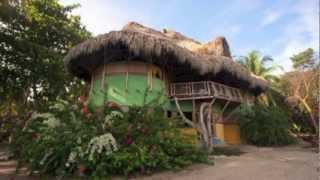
<point>112,115</point>
<point>104,143</point>
<point>41,115</point>
<point>59,106</point>
<point>79,140</point>
<point>52,122</point>
<point>72,157</point>
<point>49,119</point>
<point>108,119</point>
<point>45,157</point>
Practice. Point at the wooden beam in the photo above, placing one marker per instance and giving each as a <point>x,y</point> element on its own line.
<point>225,106</point>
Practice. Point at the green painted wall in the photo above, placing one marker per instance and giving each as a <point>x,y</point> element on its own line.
<point>115,91</point>
<point>186,106</point>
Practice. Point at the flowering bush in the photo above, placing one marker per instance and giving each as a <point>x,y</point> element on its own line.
<point>72,140</point>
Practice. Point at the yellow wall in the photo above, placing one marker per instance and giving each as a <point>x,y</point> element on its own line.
<point>190,133</point>
<point>220,131</point>
<point>229,133</point>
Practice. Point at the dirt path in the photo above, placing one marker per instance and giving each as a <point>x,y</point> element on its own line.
<point>286,163</point>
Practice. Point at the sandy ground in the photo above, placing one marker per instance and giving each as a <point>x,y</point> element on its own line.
<point>286,163</point>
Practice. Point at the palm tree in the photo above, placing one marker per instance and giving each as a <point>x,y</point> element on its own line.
<point>256,64</point>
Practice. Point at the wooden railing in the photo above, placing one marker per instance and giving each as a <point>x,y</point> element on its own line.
<point>206,89</point>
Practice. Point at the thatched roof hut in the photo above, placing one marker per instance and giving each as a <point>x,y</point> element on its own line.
<point>185,59</point>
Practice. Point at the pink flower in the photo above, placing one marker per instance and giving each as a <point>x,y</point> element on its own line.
<point>82,99</point>
<point>84,110</point>
<point>88,115</point>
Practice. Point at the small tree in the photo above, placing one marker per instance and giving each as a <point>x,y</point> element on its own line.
<point>302,85</point>
<point>304,60</point>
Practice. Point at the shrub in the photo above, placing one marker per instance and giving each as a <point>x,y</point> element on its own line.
<point>70,140</point>
<point>264,125</point>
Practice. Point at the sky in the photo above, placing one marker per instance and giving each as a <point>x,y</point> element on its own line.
<point>277,28</point>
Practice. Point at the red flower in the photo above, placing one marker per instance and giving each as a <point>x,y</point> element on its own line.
<point>143,130</point>
<point>82,99</point>
<point>112,105</point>
<point>29,115</point>
<point>142,170</point>
<point>82,169</point>
<point>128,140</point>
<point>84,110</point>
<point>34,136</point>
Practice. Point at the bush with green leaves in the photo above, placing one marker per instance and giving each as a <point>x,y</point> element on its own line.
<point>70,140</point>
<point>264,125</point>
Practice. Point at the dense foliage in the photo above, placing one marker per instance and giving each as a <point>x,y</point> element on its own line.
<point>264,125</point>
<point>70,140</point>
<point>35,35</point>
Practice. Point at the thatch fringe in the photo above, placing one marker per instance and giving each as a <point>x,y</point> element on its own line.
<point>154,47</point>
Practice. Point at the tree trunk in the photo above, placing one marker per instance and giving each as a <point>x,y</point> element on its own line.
<point>205,122</point>
<point>309,110</point>
<point>203,126</point>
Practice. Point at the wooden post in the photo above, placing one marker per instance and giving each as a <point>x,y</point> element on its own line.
<point>208,88</point>
<point>127,77</point>
<point>224,108</point>
<point>91,86</point>
<point>194,111</point>
<point>191,88</point>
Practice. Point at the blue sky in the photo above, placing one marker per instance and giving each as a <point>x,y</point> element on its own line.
<point>279,28</point>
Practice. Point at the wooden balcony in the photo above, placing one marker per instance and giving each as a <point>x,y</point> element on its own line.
<point>206,89</point>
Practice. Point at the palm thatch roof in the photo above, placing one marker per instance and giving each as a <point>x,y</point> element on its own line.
<point>182,57</point>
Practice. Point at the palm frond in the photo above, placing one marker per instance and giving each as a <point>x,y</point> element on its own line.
<point>266,59</point>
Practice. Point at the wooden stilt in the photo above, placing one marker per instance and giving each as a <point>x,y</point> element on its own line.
<point>127,79</point>
<point>194,111</point>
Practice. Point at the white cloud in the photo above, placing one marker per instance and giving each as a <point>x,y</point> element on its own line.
<point>270,17</point>
<point>308,21</point>
<point>301,33</point>
<point>291,48</point>
<point>102,16</point>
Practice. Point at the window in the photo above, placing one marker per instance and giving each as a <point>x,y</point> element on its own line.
<point>156,73</point>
